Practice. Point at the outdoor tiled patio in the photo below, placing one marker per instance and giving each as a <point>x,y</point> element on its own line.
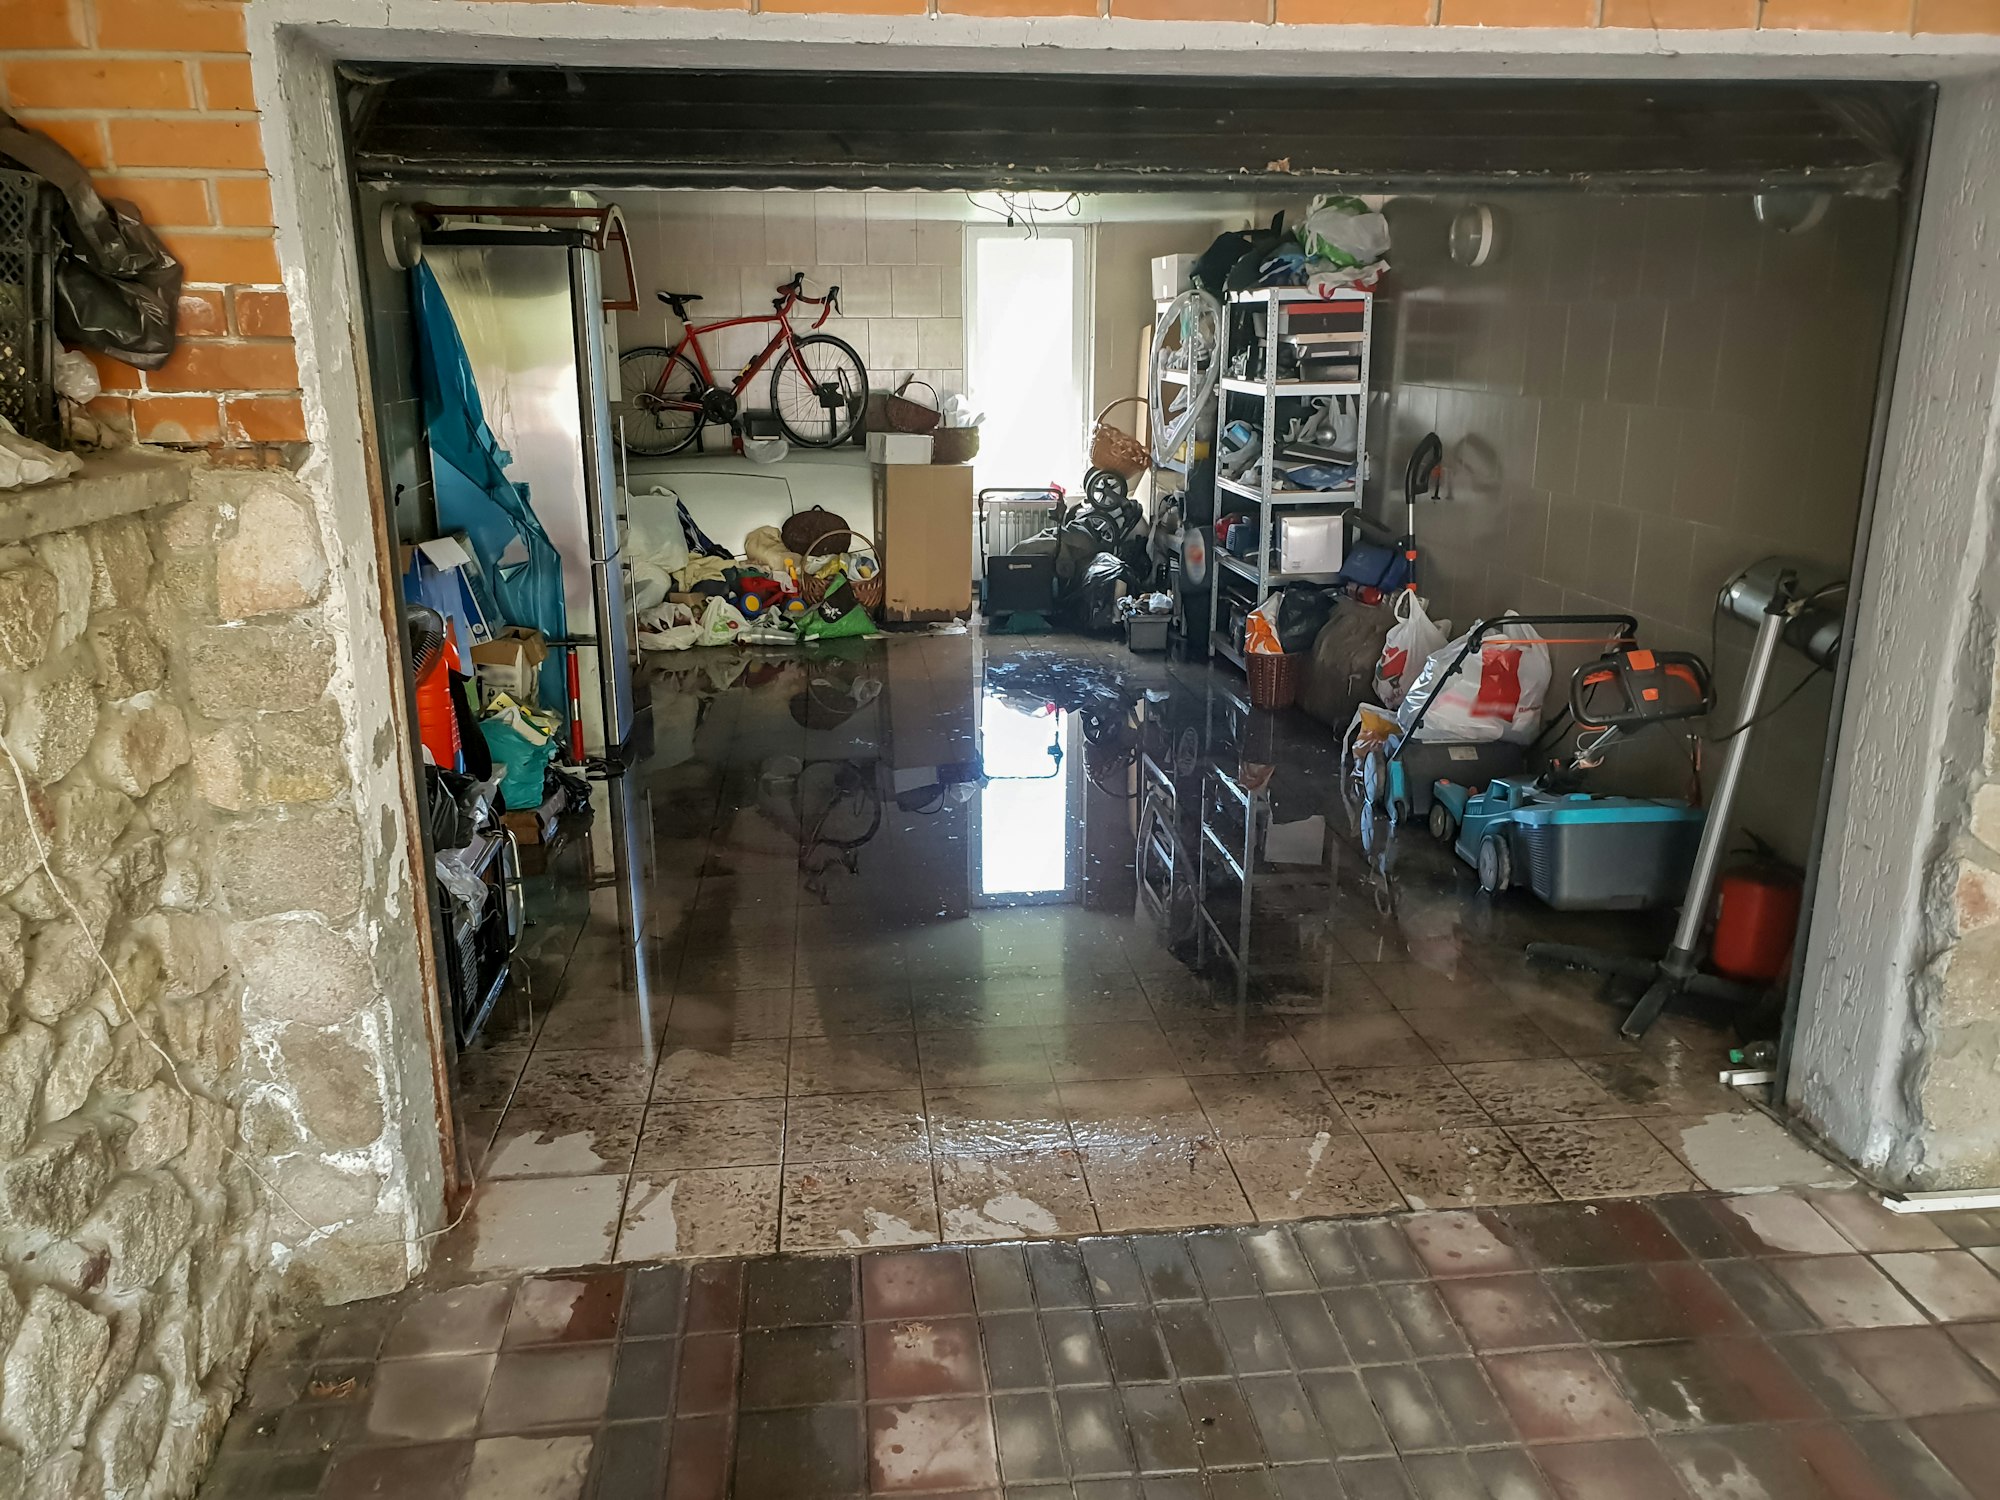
<point>1770,1347</point>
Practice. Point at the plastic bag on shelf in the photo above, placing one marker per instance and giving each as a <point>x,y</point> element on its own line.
<point>1344,232</point>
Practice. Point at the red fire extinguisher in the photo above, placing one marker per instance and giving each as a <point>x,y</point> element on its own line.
<point>1756,918</point>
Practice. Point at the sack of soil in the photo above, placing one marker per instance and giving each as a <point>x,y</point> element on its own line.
<point>1340,671</point>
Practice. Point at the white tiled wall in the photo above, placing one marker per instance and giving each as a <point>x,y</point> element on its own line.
<point>897,258</point>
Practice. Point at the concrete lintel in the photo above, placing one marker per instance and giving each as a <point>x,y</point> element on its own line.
<point>119,483</point>
<point>617,36</point>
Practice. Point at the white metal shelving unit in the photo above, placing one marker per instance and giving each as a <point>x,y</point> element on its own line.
<point>1255,577</point>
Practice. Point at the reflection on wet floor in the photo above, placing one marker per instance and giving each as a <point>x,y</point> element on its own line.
<point>944,938</point>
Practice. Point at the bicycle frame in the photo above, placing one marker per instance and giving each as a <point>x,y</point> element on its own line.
<point>785,338</point>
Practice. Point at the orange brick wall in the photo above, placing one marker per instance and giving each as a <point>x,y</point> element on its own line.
<point>154,96</point>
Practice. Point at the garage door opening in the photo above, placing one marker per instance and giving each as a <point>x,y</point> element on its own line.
<point>899,985</point>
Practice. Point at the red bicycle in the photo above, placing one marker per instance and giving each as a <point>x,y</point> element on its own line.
<point>818,384</point>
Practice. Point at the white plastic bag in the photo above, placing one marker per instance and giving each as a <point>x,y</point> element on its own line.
<point>669,627</point>
<point>1495,694</point>
<point>1411,640</point>
<point>23,461</point>
<point>1344,232</point>
<point>721,622</point>
<point>656,529</point>
<point>76,378</point>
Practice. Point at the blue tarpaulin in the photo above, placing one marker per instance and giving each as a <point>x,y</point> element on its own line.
<point>519,566</point>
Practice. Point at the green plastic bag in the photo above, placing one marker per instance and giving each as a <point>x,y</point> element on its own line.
<point>819,628</point>
<point>522,757</point>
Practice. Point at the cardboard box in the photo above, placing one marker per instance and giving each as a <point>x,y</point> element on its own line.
<point>899,447</point>
<point>1172,275</point>
<point>530,827</point>
<point>923,527</point>
<point>511,663</point>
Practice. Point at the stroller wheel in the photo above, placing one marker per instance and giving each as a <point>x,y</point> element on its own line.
<point>1105,488</point>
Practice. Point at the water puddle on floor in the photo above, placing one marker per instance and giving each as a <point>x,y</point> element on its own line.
<point>943,938</point>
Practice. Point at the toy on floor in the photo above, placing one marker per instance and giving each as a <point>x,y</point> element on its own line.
<point>1580,851</point>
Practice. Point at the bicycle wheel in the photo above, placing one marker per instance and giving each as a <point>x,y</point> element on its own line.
<point>659,398</point>
<point>818,390</point>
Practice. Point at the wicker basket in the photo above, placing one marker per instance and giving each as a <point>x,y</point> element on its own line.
<point>803,529</point>
<point>1114,448</point>
<point>954,445</point>
<point>892,411</point>
<point>1274,677</point>
<point>868,592</point>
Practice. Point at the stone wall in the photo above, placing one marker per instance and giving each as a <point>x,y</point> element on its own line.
<point>193,1097</point>
<point>1954,1090</point>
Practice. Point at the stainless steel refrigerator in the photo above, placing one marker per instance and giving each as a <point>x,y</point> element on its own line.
<point>529,304</point>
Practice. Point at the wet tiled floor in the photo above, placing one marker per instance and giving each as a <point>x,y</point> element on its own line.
<point>1322,1194</point>
<point>877,1003</point>
<point>1782,1346</point>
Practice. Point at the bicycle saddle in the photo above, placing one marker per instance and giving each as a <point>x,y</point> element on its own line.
<point>678,301</point>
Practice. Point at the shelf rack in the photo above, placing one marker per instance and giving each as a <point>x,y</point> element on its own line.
<point>1254,578</point>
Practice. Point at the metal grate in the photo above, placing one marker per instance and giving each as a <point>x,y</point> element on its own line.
<point>27,307</point>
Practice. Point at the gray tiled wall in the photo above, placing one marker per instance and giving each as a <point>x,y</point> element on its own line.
<point>1638,396</point>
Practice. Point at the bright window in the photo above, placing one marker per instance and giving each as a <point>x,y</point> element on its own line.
<point>1028,316</point>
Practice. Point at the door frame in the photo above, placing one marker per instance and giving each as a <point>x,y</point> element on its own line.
<point>1921,549</point>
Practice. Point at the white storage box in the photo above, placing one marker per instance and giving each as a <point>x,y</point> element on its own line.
<point>1171,275</point>
<point>899,447</point>
<point>1309,544</point>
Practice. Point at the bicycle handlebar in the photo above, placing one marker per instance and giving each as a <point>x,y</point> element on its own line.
<point>794,291</point>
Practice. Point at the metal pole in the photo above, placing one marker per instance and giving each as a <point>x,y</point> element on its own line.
<point>1680,959</point>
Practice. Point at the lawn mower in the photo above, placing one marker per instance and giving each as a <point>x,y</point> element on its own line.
<point>1398,772</point>
<point>1577,850</point>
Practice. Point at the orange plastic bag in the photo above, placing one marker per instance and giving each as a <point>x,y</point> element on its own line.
<point>1260,630</point>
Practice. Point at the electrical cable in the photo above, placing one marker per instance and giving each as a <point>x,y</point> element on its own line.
<point>1013,210</point>
<point>117,986</point>
<point>1797,688</point>
<point>131,1018</point>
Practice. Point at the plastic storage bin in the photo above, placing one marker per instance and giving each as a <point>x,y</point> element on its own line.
<point>1608,853</point>
<point>1146,632</point>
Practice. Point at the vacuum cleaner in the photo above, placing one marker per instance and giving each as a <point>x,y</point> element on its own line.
<point>1772,596</point>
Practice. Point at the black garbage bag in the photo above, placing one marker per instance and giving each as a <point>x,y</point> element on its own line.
<point>1041,544</point>
<point>118,290</point>
<point>1303,611</point>
<point>1094,605</point>
<point>1084,535</point>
